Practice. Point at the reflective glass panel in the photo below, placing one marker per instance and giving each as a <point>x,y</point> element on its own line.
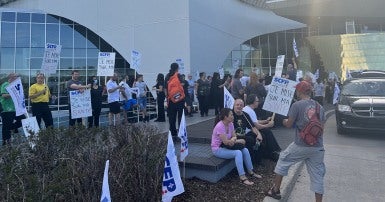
<point>7,58</point>
<point>37,35</point>
<point>38,18</point>
<point>22,35</point>
<point>53,33</point>
<point>22,58</point>
<point>23,17</point>
<point>8,16</point>
<point>7,34</point>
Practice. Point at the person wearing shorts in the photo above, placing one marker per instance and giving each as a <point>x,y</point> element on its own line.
<point>313,155</point>
<point>113,99</point>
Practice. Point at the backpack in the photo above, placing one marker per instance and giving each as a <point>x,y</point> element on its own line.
<point>313,129</point>
<point>175,89</point>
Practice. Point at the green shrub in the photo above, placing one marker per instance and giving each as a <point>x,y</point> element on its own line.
<point>68,164</point>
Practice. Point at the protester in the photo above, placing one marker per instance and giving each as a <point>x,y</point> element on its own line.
<point>269,147</point>
<point>319,90</point>
<point>142,97</point>
<point>96,101</point>
<point>160,96</point>
<point>224,134</point>
<point>39,94</point>
<point>313,156</point>
<point>292,70</point>
<point>245,129</point>
<point>203,90</point>
<point>188,109</point>
<point>11,123</point>
<point>237,89</point>
<point>216,92</point>
<point>72,85</point>
<point>191,89</point>
<point>255,87</point>
<point>113,90</point>
<point>174,109</point>
<point>128,103</point>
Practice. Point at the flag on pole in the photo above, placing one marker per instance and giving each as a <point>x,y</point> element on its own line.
<point>16,91</point>
<point>316,74</point>
<point>336,93</point>
<point>228,101</point>
<point>182,134</point>
<point>172,183</point>
<point>106,197</point>
<point>295,48</point>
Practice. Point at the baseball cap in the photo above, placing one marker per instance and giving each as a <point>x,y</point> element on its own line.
<point>304,87</point>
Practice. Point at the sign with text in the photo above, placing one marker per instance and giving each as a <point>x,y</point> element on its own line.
<point>279,65</point>
<point>136,58</point>
<point>106,64</point>
<point>80,104</point>
<point>51,58</point>
<point>279,96</point>
<point>15,90</point>
<point>30,125</point>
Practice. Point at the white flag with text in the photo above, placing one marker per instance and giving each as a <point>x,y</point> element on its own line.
<point>16,91</point>
<point>106,197</point>
<point>182,134</point>
<point>228,99</point>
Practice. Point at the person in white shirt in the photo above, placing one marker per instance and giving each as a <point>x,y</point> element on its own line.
<point>113,90</point>
<point>269,147</point>
<point>142,97</point>
<point>319,90</point>
<point>126,98</point>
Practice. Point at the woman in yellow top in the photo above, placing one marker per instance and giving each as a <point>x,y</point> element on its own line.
<point>39,94</point>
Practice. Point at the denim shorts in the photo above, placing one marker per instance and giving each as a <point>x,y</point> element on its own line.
<point>142,101</point>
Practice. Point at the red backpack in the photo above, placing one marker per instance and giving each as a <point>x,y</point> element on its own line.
<point>175,89</point>
<point>313,129</point>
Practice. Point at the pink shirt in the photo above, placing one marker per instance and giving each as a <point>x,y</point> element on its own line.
<point>220,129</point>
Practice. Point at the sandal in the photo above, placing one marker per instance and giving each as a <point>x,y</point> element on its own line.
<point>255,175</point>
<point>273,194</point>
<point>246,181</point>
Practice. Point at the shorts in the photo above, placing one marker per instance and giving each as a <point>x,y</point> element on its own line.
<point>142,102</point>
<point>313,158</point>
<point>114,107</point>
<point>127,105</point>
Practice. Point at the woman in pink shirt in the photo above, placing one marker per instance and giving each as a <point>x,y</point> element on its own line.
<point>224,133</point>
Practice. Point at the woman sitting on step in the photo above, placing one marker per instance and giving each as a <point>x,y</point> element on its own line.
<point>224,136</point>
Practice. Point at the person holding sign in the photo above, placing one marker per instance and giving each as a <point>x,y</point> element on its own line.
<point>313,155</point>
<point>39,94</point>
<point>73,85</point>
<point>8,115</point>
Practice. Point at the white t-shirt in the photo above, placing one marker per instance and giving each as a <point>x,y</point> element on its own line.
<point>127,90</point>
<point>114,96</point>
<point>248,110</point>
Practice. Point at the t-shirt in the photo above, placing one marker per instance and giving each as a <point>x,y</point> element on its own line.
<point>191,86</point>
<point>37,88</point>
<point>114,96</point>
<point>127,91</point>
<point>235,87</point>
<point>220,129</point>
<point>253,116</point>
<point>141,85</point>
<point>242,123</point>
<point>319,89</point>
<point>6,103</point>
<point>301,111</point>
<point>96,97</point>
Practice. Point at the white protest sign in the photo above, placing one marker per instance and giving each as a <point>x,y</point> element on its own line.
<point>136,58</point>
<point>228,100</point>
<point>106,64</point>
<point>279,65</point>
<point>80,104</point>
<point>30,125</point>
<point>181,66</point>
<point>16,91</point>
<point>51,58</point>
<point>221,72</point>
<point>280,95</point>
<point>299,75</point>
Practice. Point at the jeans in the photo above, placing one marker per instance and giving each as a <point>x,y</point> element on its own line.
<point>240,157</point>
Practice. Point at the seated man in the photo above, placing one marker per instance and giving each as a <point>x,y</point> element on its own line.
<point>269,147</point>
<point>244,129</point>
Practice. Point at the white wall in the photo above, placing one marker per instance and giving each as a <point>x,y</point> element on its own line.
<point>201,32</point>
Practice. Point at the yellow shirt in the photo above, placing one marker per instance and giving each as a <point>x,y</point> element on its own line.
<point>35,88</point>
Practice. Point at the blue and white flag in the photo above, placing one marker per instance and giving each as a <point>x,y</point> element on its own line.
<point>16,91</point>
<point>172,183</point>
<point>336,93</point>
<point>182,134</point>
<point>106,197</point>
<point>136,58</point>
<point>316,74</point>
<point>228,101</point>
<point>221,72</point>
<point>295,48</point>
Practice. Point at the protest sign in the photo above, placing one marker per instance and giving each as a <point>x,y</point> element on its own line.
<point>279,65</point>
<point>279,96</point>
<point>51,58</point>
<point>182,134</point>
<point>221,72</point>
<point>136,58</point>
<point>228,100</point>
<point>80,104</point>
<point>16,91</point>
<point>106,64</point>
<point>30,125</point>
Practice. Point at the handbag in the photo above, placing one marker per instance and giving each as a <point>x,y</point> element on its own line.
<point>236,146</point>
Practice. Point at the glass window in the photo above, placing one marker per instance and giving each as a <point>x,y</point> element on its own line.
<point>66,52</point>
<point>93,39</point>
<point>79,37</point>
<point>80,52</point>
<point>23,17</point>
<point>66,63</point>
<point>21,59</point>
<point>37,35</point>
<point>7,58</point>
<point>92,63</point>
<point>80,63</point>
<point>92,52</point>
<point>37,52</point>
<point>8,16</point>
<point>38,18</point>
<point>7,34</point>
<point>66,36</point>
<point>22,35</point>
<point>52,18</point>
<point>36,63</point>
<point>53,33</point>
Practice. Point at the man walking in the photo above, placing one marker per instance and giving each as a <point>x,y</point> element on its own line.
<point>300,114</point>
